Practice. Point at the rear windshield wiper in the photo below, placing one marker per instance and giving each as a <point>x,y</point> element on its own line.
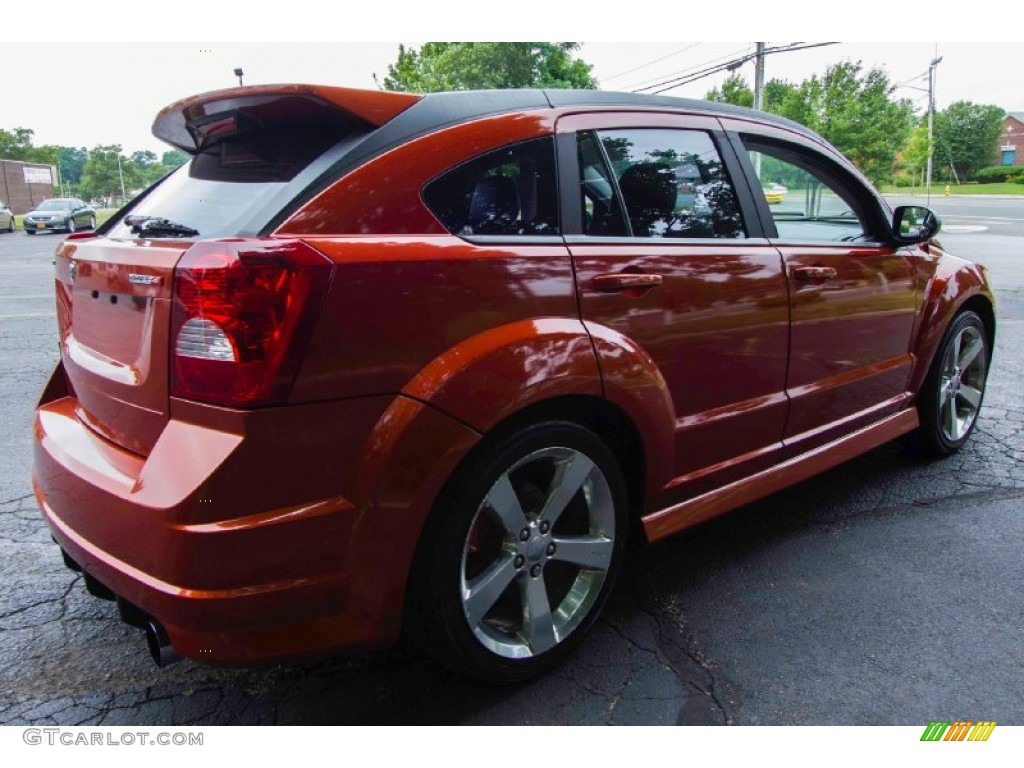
<point>152,225</point>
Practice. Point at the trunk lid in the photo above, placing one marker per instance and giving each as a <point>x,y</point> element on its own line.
<point>114,307</point>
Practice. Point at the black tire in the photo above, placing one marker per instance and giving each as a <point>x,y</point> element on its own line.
<point>71,225</point>
<point>951,397</point>
<point>30,231</point>
<point>467,547</point>
<point>10,225</point>
<point>92,222</point>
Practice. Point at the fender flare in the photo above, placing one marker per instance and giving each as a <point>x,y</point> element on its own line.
<point>953,284</point>
<point>494,375</point>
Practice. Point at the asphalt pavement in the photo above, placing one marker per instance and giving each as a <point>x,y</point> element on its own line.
<point>886,591</point>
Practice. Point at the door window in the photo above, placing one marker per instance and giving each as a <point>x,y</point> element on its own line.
<point>656,182</point>
<point>808,202</point>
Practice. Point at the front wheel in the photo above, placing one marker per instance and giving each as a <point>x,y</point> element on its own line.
<point>92,222</point>
<point>71,226</point>
<point>521,553</point>
<point>952,394</point>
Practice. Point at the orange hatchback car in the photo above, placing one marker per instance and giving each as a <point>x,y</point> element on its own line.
<point>379,362</point>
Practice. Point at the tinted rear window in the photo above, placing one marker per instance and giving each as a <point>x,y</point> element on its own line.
<point>226,183</point>
<point>510,191</point>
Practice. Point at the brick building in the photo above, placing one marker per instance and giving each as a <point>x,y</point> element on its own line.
<point>1011,142</point>
<point>24,185</point>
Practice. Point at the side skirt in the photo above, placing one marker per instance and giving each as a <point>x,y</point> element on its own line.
<point>665,522</point>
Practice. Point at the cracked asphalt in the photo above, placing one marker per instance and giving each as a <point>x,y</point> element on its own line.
<point>886,591</point>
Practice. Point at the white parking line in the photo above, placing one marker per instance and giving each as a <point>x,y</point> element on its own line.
<point>963,228</point>
<point>28,314</point>
<point>980,218</point>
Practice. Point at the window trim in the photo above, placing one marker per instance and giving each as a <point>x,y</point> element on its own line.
<point>610,175</point>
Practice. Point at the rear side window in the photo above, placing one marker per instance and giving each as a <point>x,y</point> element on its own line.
<point>672,183</point>
<point>227,182</point>
<point>510,191</point>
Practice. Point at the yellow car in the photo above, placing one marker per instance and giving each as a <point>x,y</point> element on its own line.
<point>774,194</point>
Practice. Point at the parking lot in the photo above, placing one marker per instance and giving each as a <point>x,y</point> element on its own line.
<point>886,591</point>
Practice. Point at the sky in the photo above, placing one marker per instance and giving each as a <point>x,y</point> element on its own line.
<point>78,93</point>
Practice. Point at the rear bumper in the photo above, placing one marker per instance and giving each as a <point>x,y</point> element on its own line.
<point>263,540</point>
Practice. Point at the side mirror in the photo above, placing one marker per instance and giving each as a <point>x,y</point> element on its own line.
<point>913,224</point>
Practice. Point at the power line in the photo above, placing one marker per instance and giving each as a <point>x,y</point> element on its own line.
<point>643,85</point>
<point>655,61</point>
<point>684,79</point>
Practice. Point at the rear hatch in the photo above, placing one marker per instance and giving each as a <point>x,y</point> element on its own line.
<point>253,151</point>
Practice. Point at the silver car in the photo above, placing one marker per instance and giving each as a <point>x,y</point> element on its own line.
<point>6,218</point>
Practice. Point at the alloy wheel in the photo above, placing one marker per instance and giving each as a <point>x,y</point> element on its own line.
<point>538,552</point>
<point>962,382</point>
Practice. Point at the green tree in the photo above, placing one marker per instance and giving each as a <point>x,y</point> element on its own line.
<point>853,110</point>
<point>72,163</point>
<point>49,154</point>
<point>733,91</point>
<point>469,66</point>
<point>143,158</point>
<point>914,155</point>
<point>16,143</point>
<point>174,158</point>
<point>101,177</point>
<point>783,98</point>
<point>966,136</point>
<point>148,167</point>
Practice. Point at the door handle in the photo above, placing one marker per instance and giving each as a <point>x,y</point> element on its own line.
<point>814,274</point>
<point>626,281</point>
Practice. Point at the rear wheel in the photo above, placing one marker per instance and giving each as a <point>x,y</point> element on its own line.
<point>953,392</point>
<point>521,553</point>
<point>10,224</point>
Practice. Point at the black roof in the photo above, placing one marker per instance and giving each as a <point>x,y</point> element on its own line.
<point>441,110</point>
<point>461,106</point>
<point>580,98</point>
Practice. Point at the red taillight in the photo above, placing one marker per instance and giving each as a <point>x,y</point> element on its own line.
<point>242,314</point>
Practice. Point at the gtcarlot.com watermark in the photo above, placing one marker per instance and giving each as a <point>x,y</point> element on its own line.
<point>83,737</point>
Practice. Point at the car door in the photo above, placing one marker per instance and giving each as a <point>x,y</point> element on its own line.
<point>851,292</point>
<point>665,256</point>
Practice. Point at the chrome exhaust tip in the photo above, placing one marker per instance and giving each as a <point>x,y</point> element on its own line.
<point>160,648</point>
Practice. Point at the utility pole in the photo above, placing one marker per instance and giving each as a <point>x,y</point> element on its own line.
<point>759,77</point>
<point>931,124</point>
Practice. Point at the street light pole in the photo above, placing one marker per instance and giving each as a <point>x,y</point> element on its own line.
<point>931,124</point>
<point>121,174</point>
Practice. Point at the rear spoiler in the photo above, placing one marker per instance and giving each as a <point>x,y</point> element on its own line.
<point>188,123</point>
